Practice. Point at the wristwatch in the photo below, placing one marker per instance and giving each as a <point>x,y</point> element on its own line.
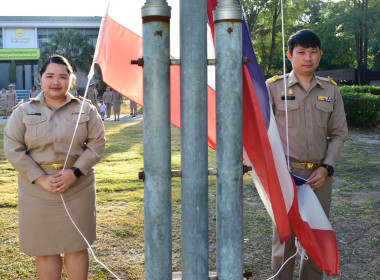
<point>329,168</point>
<point>76,171</point>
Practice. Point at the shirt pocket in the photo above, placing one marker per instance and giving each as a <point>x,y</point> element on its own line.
<point>82,126</point>
<point>36,126</point>
<point>323,112</point>
<point>293,113</point>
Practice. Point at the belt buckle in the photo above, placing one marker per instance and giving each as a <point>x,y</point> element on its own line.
<point>311,165</point>
<point>57,166</point>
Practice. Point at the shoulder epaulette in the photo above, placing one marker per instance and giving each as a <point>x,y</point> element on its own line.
<point>18,104</point>
<point>273,79</point>
<point>81,98</point>
<point>332,81</point>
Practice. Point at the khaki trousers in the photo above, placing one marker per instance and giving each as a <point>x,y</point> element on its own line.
<point>281,252</point>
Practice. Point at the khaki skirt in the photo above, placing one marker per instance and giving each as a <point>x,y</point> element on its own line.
<point>45,227</point>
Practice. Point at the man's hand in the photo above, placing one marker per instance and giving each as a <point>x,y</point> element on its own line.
<point>318,178</point>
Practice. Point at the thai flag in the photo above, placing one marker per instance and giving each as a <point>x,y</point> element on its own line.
<point>120,41</point>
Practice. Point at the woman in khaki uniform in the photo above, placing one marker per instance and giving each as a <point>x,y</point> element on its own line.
<point>33,92</point>
<point>4,101</point>
<point>12,99</point>
<point>92,94</point>
<point>117,99</point>
<point>36,142</point>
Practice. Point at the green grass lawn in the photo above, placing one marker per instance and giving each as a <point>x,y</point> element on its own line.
<point>120,233</point>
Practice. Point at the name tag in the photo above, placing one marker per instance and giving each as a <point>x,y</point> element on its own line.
<point>33,114</point>
<point>291,97</point>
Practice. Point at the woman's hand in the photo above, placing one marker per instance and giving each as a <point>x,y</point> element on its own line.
<point>63,180</point>
<point>57,183</point>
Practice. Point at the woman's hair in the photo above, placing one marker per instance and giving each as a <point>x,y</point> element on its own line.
<point>59,59</point>
<point>34,87</point>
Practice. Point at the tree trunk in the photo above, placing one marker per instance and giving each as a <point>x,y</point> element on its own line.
<point>276,13</point>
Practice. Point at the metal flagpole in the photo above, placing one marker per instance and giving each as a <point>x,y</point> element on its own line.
<point>229,94</point>
<point>157,148</point>
<point>194,149</point>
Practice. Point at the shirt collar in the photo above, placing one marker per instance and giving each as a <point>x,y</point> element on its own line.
<point>292,80</point>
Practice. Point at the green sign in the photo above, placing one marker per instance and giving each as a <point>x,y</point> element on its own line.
<point>19,54</point>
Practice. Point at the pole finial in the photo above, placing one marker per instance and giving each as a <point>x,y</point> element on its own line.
<point>156,8</point>
<point>228,10</point>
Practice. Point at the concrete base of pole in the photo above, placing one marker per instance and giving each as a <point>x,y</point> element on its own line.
<point>178,275</point>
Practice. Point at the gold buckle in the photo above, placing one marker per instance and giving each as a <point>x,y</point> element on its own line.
<point>309,165</point>
<point>57,166</point>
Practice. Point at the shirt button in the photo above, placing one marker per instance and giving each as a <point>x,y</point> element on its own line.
<point>308,111</point>
<point>309,127</point>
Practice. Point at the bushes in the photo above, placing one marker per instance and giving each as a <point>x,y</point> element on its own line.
<point>360,89</point>
<point>362,105</point>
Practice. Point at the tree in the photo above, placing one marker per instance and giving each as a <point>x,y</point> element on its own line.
<point>73,45</point>
<point>12,72</point>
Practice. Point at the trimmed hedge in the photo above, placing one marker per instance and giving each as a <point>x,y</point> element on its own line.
<point>360,89</point>
<point>362,108</point>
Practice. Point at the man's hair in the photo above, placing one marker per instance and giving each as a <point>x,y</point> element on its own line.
<point>304,38</point>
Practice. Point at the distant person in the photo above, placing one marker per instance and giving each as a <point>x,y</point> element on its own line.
<point>107,97</point>
<point>317,130</point>
<point>117,99</point>
<point>39,89</point>
<point>37,138</point>
<point>4,102</point>
<point>11,99</point>
<point>92,94</point>
<point>33,92</point>
<point>102,108</point>
<point>133,107</point>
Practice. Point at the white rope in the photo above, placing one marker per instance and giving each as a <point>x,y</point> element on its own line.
<point>285,87</point>
<point>90,75</point>
<point>300,251</point>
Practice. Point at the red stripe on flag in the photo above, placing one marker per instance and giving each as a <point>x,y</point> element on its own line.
<point>258,148</point>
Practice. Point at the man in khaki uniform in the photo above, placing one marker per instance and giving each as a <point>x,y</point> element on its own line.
<point>107,98</point>
<point>317,130</point>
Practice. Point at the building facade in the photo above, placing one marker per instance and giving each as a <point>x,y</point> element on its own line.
<point>21,40</point>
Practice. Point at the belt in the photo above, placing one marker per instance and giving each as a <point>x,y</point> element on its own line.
<point>56,166</point>
<point>305,165</point>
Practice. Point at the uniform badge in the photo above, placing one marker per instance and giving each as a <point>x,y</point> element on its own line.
<point>290,91</point>
<point>324,98</point>
<point>77,112</point>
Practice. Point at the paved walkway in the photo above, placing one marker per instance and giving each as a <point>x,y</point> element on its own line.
<point>123,118</point>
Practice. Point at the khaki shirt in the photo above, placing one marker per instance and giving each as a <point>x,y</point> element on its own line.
<point>93,96</point>
<point>316,119</point>
<point>36,134</point>
<point>33,93</point>
<point>107,97</point>
<point>117,98</point>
